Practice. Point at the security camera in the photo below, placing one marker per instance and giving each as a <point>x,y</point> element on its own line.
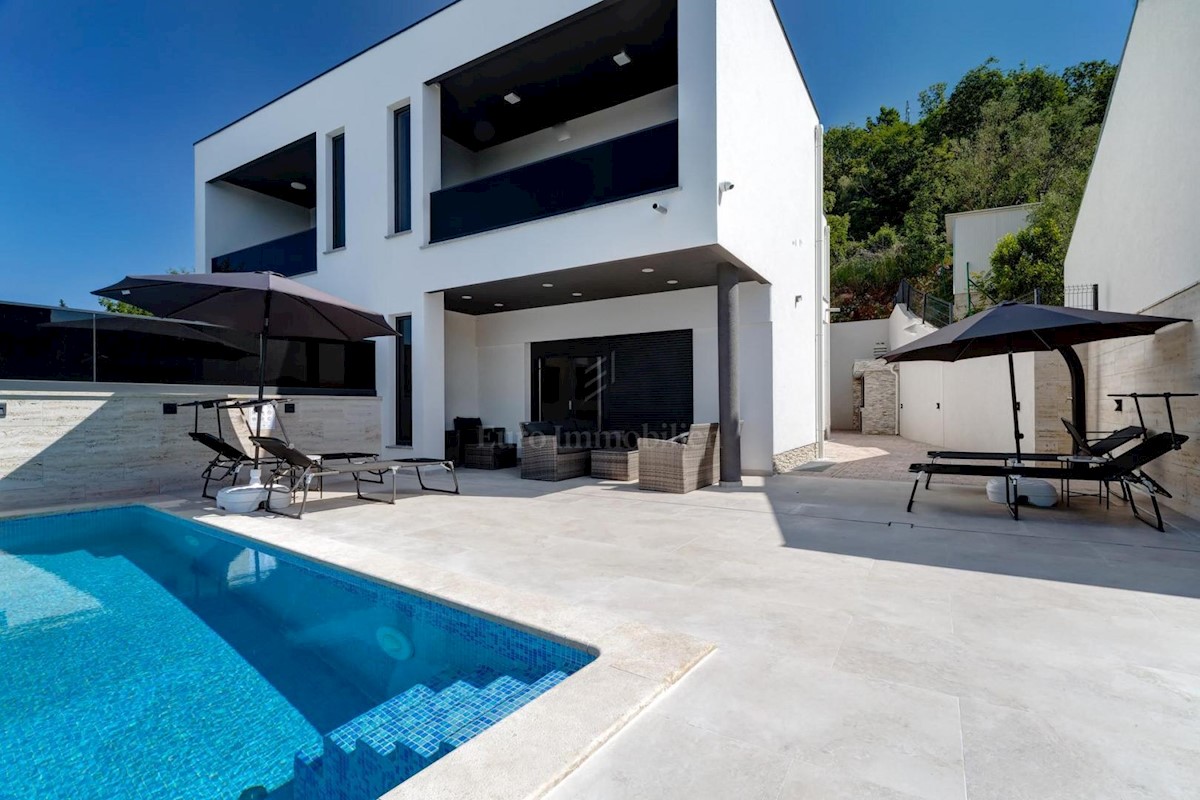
<point>660,208</point>
<point>725,186</point>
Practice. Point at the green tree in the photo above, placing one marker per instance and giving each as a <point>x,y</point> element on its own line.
<point>963,111</point>
<point>997,138</point>
<point>1028,261</point>
<point>121,307</point>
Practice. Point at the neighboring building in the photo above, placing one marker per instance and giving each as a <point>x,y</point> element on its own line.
<point>551,198</point>
<point>973,235</point>
<point>1136,236</point>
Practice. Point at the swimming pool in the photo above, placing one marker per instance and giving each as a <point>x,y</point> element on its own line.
<point>148,656</point>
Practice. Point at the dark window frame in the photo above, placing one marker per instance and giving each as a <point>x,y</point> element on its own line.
<point>402,170</point>
<point>404,381</point>
<point>337,156</point>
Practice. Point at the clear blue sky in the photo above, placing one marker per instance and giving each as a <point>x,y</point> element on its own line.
<point>100,102</point>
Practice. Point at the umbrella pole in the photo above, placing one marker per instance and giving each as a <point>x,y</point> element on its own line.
<point>262,371</point>
<point>1078,392</point>
<point>1012,383</point>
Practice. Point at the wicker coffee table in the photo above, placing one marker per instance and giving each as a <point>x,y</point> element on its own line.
<point>615,464</point>
<point>491,456</point>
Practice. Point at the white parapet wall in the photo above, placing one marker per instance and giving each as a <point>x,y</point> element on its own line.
<point>850,342</point>
<point>967,405</point>
<point>74,443</point>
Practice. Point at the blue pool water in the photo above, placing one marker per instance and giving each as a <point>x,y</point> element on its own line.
<point>147,656</point>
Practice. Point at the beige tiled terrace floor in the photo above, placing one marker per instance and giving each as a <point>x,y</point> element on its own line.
<point>863,652</point>
<point>849,454</point>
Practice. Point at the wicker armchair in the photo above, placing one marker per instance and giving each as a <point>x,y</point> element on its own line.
<point>682,464</point>
<point>543,458</point>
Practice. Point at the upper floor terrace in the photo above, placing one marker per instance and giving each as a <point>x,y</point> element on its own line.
<point>497,140</point>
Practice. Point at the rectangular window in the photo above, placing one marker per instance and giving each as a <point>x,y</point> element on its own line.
<point>404,382</point>
<point>402,171</point>
<point>338,200</point>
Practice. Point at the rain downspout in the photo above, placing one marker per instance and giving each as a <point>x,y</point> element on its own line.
<point>819,267</point>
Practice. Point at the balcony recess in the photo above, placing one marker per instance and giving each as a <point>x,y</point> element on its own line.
<point>636,164</point>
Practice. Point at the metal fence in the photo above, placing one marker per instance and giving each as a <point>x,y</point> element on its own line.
<point>1082,295</point>
<point>932,310</point>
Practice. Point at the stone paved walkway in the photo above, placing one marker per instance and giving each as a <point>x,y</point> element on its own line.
<point>849,454</point>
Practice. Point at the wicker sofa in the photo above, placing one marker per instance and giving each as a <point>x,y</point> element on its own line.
<point>682,464</point>
<point>545,458</point>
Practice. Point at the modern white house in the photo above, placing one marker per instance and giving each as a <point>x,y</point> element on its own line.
<point>1137,240</point>
<point>602,211</point>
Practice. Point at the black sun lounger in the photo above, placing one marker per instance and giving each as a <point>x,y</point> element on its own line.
<point>1105,446</point>
<point>1097,448</point>
<point>227,462</point>
<point>297,471</point>
<point>1124,468</point>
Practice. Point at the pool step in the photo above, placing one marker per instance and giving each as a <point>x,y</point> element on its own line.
<point>388,744</point>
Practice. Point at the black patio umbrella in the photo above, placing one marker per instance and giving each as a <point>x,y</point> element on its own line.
<point>206,340</point>
<point>264,303</point>
<point>1022,328</point>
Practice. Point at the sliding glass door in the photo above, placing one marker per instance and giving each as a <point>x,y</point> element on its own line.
<point>570,387</point>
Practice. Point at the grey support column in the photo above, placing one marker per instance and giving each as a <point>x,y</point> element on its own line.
<point>727,373</point>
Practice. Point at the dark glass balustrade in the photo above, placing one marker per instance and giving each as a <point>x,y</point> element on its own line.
<point>632,165</point>
<point>289,256</point>
<point>59,344</point>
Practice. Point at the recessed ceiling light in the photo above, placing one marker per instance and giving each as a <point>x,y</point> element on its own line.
<point>622,58</point>
<point>576,294</point>
<point>561,132</point>
<point>648,270</point>
<point>498,305</point>
<point>547,285</point>
<point>298,186</point>
<point>466,297</point>
<point>512,98</point>
<point>672,282</point>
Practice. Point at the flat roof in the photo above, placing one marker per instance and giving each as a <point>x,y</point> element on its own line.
<point>433,14</point>
<point>951,217</point>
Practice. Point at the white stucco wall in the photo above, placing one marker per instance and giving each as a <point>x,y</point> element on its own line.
<point>237,218</point>
<point>850,342</point>
<point>462,367</point>
<point>963,405</point>
<point>1136,235</point>
<point>974,235</point>
<point>765,132</point>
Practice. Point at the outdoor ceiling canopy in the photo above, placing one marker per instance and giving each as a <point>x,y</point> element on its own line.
<point>288,174</point>
<point>606,55</point>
